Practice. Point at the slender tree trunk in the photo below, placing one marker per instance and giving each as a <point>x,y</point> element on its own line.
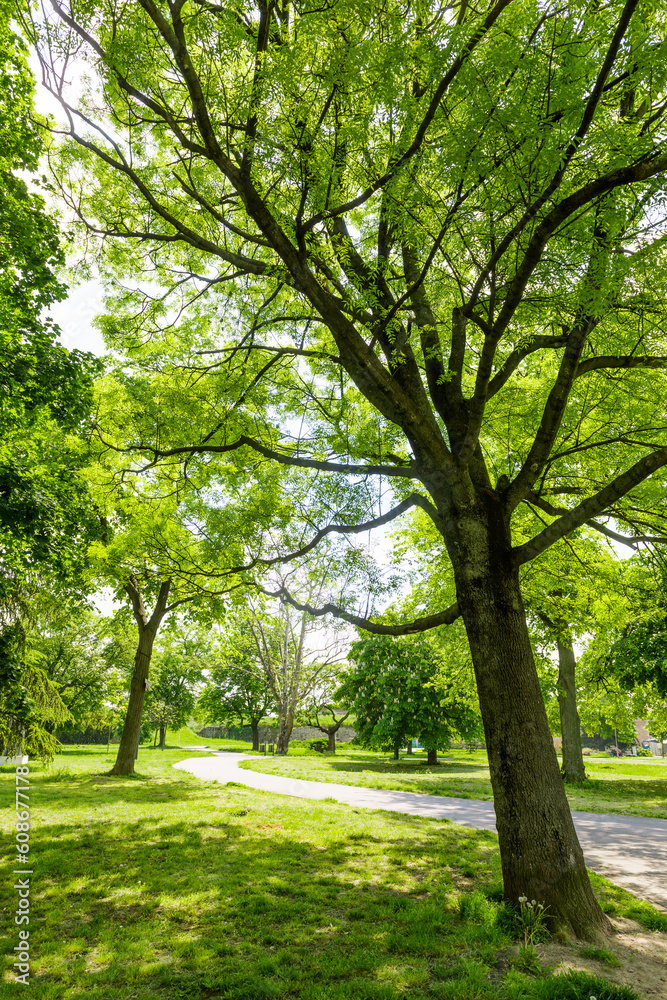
<point>573,759</point>
<point>127,747</point>
<point>163,737</point>
<point>409,749</point>
<point>540,854</point>
<point>397,747</point>
<point>432,757</point>
<point>331,736</point>
<point>254,725</point>
<point>147,631</point>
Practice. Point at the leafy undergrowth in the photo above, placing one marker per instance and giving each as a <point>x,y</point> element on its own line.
<point>629,786</point>
<point>165,886</point>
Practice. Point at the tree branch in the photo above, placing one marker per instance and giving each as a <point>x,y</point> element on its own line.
<point>425,124</point>
<point>303,463</point>
<point>131,587</point>
<point>576,141</point>
<point>624,361</point>
<point>594,505</point>
<point>414,500</point>
<point>513,360</point>
<point>445,617</point>
<point>633,174</point>
<point>632,541</point>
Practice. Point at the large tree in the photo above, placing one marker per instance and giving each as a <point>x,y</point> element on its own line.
<point>436,236</point>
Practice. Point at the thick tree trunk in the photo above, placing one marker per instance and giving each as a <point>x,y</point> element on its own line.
<point>409,747</point>
<point>432,757</point>
<point>254,725</point>
<point>573,760</point>
<point>397,747</point>
<point>163,737</point>
<point>331,737</point>
<point>147,631</point>
<point>285,727</point>
<point>540,853</point>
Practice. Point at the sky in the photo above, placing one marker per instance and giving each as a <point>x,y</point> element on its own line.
<point>75,317</point>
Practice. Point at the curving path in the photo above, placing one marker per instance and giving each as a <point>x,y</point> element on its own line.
<point>629,850</point>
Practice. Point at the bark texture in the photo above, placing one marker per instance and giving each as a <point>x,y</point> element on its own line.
<point>540,853</point>
<point>432,757</point>
<point>147,628</point>
<point>570,726</point>
<point>285,727</point>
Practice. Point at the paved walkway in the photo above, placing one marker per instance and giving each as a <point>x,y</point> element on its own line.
<point>629,850</point>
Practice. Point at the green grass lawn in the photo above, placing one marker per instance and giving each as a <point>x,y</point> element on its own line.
<point>165,886</point>
<point>632,786</point>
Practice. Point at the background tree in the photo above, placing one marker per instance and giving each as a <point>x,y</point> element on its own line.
<point>638,649</point>
<point>68,643</point>
<point>169,545</point>
<point>393,690</point>
<point>237,689</point>
<point>625,663</point>
<point>173,690</point>
<point>285,647</point>
<point>440,236</point>
<point>36,371</point>
<point>572,600</point>
<point>324,714</point>
<point>29,702</point>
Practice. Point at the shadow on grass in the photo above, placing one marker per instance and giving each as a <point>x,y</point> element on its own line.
<point>234,895</point>
<point>417,767</point>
